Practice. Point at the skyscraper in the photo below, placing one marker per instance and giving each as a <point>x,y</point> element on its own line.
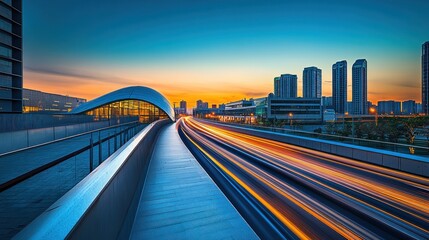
<point>11,56</point>
<point>183,104</point>
<point>312,82</point>
<point>360,87</point>
<point>182,109</point>
<point>285,86</point>
<point>339,86</point>
<point>425,78</point>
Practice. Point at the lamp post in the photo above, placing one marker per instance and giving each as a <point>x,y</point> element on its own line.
<point>290,119</point>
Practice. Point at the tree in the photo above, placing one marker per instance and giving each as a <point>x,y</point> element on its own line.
<point>331,128</point>
<point>411,126</point>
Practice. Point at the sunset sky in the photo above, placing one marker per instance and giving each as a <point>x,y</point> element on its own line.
<point>220,50</point>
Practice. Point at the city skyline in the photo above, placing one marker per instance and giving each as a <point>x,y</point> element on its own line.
<point>220,51</point>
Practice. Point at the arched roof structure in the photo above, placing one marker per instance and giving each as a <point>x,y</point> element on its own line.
<point>129,93</point>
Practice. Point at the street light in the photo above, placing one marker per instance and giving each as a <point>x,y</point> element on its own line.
<point>290,119</point>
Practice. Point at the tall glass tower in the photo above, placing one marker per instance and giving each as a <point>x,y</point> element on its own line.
<point>339,86</point>
<point>425,78</point>
<point>10,56</point>
<point>285,86</point>
<point>312,82</point>
<point>360,87</point>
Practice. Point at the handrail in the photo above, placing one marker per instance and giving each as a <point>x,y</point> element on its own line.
<point>290,131</point>
<point>33,172</point>
<point>62,218</point>
<point>65,138</point>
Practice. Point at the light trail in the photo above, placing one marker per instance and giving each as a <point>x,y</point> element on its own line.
<point>317,195</point>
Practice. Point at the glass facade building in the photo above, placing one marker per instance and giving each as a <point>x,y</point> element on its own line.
<point>360,87</point>
<point>41,102</point>
<point>137,101</point>
<point>145,111</point>
<point>312,82</point>
<point>425,78</point>
<point>339,86</point>
<point>11,56</point>
<point>286,86</point>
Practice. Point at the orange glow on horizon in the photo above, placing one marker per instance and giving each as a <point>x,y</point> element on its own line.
<point>212,91</point>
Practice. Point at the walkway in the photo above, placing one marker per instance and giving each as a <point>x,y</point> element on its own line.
<point>180,201</point>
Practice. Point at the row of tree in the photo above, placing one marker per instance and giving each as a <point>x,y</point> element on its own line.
<point>391,129</point>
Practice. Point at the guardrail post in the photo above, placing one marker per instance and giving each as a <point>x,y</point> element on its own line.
<point>108,144</point>
<point>100,156</point>
<point>120,140</point>
<point>116,141</point>
<point>91,154</point>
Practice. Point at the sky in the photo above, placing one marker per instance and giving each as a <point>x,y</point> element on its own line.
<point>220,50</point>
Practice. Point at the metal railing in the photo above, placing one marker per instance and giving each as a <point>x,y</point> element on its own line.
<point>396,147</point>
<point>39,175</point>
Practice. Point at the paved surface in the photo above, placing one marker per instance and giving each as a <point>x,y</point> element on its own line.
<point>180,201</point>
<point>25,201</point>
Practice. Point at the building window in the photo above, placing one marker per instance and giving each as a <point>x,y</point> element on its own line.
<point>5,81</point>
<point>146,112</point>
<point>5,25</point>
<point>5,51</point>
<point>5,66</point>
<point>5,12</point>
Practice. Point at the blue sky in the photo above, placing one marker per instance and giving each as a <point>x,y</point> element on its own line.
<point>219,50</point>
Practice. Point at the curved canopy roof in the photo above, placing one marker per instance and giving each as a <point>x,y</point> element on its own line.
<point>129,93</point>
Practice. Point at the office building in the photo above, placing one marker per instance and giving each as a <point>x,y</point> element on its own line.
<point>312,82</point>
<point>41,102</point>
<point>183,104</point>
<point>409,107</point>
<point>419,109</point>
<point>202,105</point>
<point>182,108</point>
<point>339,86</point>
<point>11,56</point>
<point>349,107</point>
<point>303,110</point>
<point>327,102</point>
<point>389,107</point>
<point>425,78</point>
<point>285,86</point>
<point>359,87</point>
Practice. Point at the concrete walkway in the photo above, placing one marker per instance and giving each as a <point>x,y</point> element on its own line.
<point>180,201</point>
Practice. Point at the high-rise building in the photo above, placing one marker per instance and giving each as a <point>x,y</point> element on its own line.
<point>200,104</point>
<point>285,86</point>
<point>11,56</point>
<point>419,108</point>
<point>425,78</point>
<point>312,82</point>
<point>339,86</point>
<point>389,107</point>
<point>360,87</point>
<point>409,107</point>
<point>327,102</point>
<point>182,109</point>
<point>183,104</point>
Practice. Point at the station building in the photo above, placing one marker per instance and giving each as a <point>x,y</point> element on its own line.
<point>142,102</point>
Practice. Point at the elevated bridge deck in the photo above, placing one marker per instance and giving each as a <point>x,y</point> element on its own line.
<point>180,201</point>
